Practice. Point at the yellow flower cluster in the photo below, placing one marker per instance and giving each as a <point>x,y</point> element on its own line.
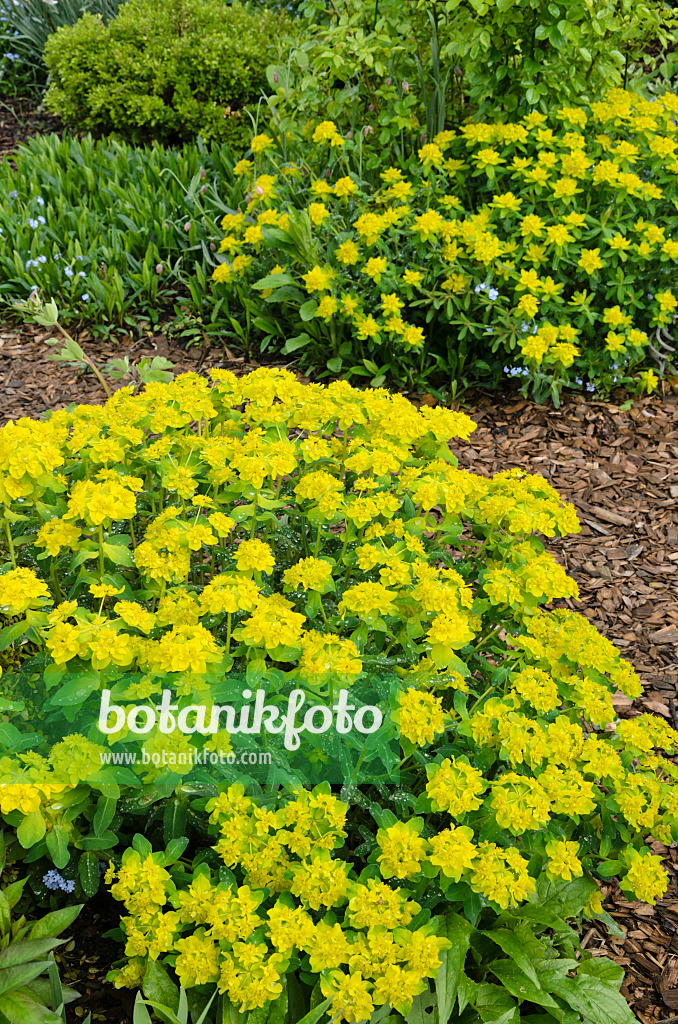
<point>533,237</point>
<point>243,937</point>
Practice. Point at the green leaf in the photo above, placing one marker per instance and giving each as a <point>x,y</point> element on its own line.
<point>159,987</point>
<point>57,844</point>
<point>76,690</point>
<point>105,813</point>
<point>594,994</point>
<point>493,1003</point>
<point>273,281</point>
<point>308,310</point>
<point>31,830</point>
<point>88,869</point>
<point>566,899</point>
<point>20,1008</point>
<point>55,922</point>
<point>18,976</point>
<point>510,944</point>
<point>520,985</point>
<point>141,1014</point>
<point>458,931</point>
<point>11,633</point>
<point>292,344</point>
<point>23,952</point>
<point>117,554</point>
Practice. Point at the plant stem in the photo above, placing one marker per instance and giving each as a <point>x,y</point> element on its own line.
<point>101,553</point>
<point>10,545</point>
<point>87,359</point>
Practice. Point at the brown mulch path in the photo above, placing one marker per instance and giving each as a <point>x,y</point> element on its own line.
<point>21,119</point>
<point>620,469</point>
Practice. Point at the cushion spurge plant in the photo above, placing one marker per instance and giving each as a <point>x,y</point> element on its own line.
<point>279,534</point>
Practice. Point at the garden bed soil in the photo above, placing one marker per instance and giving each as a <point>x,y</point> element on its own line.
<point>21,119</point>
<point>620,470</point>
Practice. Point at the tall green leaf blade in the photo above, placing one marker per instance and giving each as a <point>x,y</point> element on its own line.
<point>458,931</point>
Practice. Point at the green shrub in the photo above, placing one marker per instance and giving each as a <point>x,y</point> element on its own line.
<point>400,70</point>
<point>547,242</point>
<point>163,70</point>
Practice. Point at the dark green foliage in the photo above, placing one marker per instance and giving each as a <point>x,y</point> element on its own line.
<point>164,70</point>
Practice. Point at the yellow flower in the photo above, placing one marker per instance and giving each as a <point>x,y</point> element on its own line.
<point>317,280</point>
<point>649,380</point>
<point>318,212</point>
<point>327,131</point>
<point>375,267</point>
<point>260,142</point>
<point>254,555</point>
<point>488,158</point>
<point>241,169</point>
<point>430,155</point>
<point>565,188</point>
<point>413,278</point>
<point>327,307</point>
<point>345,187</point>
<point>590,260</point>
<point>348,253</point>
<point>507,201</point>
<point>563,860</point>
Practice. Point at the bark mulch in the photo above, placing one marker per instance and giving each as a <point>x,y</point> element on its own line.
<point>21,119</point>
<point>620,469</point>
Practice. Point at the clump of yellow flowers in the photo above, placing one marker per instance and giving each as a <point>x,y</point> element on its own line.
<point>257,523</point>
<point>549,240</point>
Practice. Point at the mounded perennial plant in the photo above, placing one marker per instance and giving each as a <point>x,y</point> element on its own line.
<point>280,533</point>
<point>548,242</point>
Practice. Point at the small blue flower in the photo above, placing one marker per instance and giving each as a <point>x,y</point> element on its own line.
<point>68,272</point>
<point>40,201</point>
<point>13,194</point>
<point>41,259</point>
<point>67,886</point>
<point>85,297</point>
<point>32,223</point>
<point>12,56</point>
<point>479,288</point>
<point>493,294</point>
<point>82,273</point>
<point>53,880</point>
<point>41,220</point>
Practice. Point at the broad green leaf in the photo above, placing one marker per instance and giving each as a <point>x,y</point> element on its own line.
<point>273,281</point>
<point>57,844</point>
<point>55,922</point>
<point>566,899</point>
<point>159,987</point>
<point>31,830</point>
<point>20,1008</point>
<point>15,977</point>
<point>458,931</point>
<point>23,952</point>
<point>88,869</point>
<point>594,995</point>
<point>510,944</point>
<point>520,985</point>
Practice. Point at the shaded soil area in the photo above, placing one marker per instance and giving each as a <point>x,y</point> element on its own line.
<point>620,469</point>
<point>21,119</point>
